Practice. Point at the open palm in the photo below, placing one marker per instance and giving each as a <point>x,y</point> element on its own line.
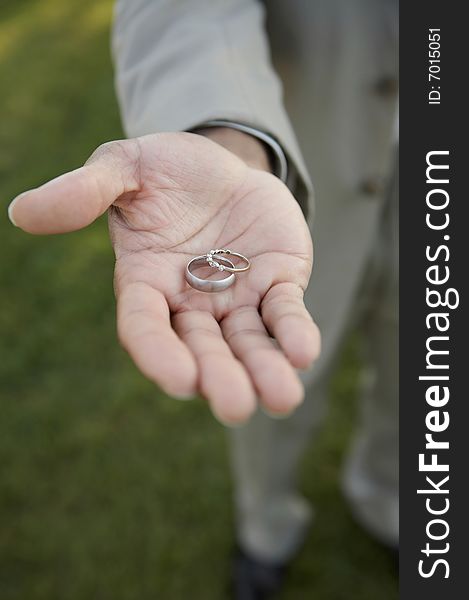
<point>171,197</point>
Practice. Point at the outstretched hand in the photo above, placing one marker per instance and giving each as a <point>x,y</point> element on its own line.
<point>171,197</point>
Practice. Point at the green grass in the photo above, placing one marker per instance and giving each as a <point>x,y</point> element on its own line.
<point>109,489</point>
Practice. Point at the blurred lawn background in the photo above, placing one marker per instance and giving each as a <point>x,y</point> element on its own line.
<point>109,489</point>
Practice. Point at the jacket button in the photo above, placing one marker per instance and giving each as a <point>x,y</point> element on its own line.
<point>371,187</point>
<point>386,87</point>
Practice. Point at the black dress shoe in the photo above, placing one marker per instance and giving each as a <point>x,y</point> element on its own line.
<point>255,580</point>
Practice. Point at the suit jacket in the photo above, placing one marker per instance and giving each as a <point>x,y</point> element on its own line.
<point>180,63</point>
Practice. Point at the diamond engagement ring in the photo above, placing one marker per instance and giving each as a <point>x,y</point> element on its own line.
<point>215,260</point>
<point>220,251</point>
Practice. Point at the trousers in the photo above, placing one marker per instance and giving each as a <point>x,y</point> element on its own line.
<point>272,515</point>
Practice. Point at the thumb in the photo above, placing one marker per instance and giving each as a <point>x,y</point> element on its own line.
<point>75,199</point>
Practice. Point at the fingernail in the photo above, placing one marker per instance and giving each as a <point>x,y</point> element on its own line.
<point>10,210</point>
<point>278,416</point>
<point>229,424</point>
<point>12,205</point>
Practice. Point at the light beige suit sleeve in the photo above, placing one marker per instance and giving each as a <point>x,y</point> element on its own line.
<point>180,63</point>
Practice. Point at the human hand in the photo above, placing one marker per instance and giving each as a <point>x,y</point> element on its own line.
<point>171,197</point>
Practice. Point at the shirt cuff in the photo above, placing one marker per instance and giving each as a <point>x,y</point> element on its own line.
<point>280,159</point>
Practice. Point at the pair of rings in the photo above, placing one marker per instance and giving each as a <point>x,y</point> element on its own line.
<point>215,259</point>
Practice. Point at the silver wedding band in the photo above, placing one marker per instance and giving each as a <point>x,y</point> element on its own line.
<point>209,285</point>
<point>221,263</point>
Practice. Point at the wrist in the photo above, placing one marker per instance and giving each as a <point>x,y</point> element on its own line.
<point>251,150</point>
